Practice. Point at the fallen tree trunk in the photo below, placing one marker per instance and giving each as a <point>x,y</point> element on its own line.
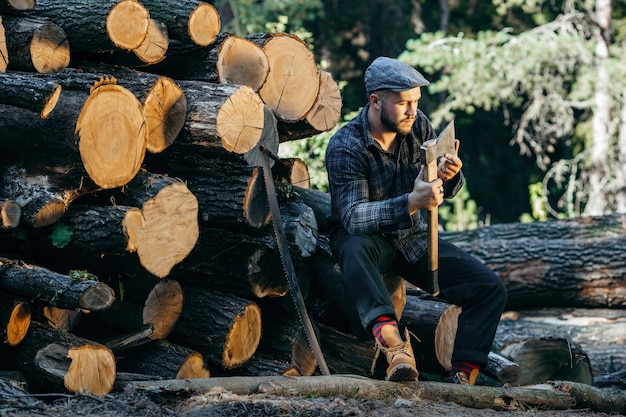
<point>505,398</point>
<point>54,288</point>
<point>573,263</point>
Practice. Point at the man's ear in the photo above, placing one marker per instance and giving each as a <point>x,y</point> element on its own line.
<point>375,101</point>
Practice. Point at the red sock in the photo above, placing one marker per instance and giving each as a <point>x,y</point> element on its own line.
<point>466,367</point>
<point>378,326</point>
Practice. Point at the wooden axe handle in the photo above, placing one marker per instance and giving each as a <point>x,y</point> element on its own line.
<point>432,283</point>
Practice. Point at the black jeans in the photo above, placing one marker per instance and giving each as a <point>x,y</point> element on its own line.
<point>463,281</point>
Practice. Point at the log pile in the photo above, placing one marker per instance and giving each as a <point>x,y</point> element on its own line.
<point>136,236</point>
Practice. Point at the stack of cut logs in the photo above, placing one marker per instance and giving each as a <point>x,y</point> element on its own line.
<point>136,239</point>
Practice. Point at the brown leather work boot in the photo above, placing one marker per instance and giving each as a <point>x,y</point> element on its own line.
<point>399,355</point>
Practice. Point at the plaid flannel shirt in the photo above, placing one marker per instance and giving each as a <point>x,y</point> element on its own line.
<point>369,186</point>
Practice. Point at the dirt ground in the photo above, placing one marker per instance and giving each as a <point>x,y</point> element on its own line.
<point>220,403</point>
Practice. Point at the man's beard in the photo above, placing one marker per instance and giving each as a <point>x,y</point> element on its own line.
<point>395,127</point>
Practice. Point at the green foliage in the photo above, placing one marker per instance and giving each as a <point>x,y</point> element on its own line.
<point>538,202</point>
<point>460,213</point>
<point>61,235</point>
<point>251,16</point>
<point>81,275</point>
<point>312,152</point>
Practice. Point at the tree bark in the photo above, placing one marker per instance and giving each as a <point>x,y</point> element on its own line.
<point>195,22</point>
<point>54,360</point>
<point>505,398</point>
<point>43,191</point>
<point>575,263</point>
<point>165,360</point>
<point>21,90</point>
<point>36,44</point>
<point>224,329</point>
<point>223,116</point>
<point>54,288</point>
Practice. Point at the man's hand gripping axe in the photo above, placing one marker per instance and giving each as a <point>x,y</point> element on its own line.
<point>430,152</point>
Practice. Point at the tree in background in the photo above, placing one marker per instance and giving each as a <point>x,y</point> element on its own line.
<point>564,79</point>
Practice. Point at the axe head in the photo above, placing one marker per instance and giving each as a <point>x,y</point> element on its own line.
<point>435,148</point>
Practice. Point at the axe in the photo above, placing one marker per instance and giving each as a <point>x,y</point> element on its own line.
<point>430,152</point>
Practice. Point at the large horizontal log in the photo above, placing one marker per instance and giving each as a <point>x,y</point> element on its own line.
<point>53,288</point>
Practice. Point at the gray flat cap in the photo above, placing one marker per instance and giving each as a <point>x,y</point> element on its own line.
<point>390,74</point>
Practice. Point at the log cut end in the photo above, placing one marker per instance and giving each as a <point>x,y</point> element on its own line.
<point>153,48</point>
<point>243,338</point>
<point>62,318</point>
<point>325,113</point>
<point>163,308</point>
<point>293,82</point>
<point>242,62</point>
<point>127,24</point>
<point>10,214</point>
<point>21,5</point>
<point>549,359</point>
<point>255,208</point>
<point>165,230</point>
<point>204,24</point>
<point>193,367</point>
<point>19,321</point>
<point>49,49</point>
<point>270,140</point>
<point>51,101</point>
<point>165,110</point>
<point>445,334</point>
<point>97,297</point>
<point>4,52</point>
<point>92,370</point>
<point>47,214</point>
<point>240,121</point>
<point>112,135</point>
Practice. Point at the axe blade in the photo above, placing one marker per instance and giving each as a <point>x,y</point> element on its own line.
<point>443,144</point>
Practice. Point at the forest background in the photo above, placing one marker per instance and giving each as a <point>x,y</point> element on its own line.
<point>537,90</point>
